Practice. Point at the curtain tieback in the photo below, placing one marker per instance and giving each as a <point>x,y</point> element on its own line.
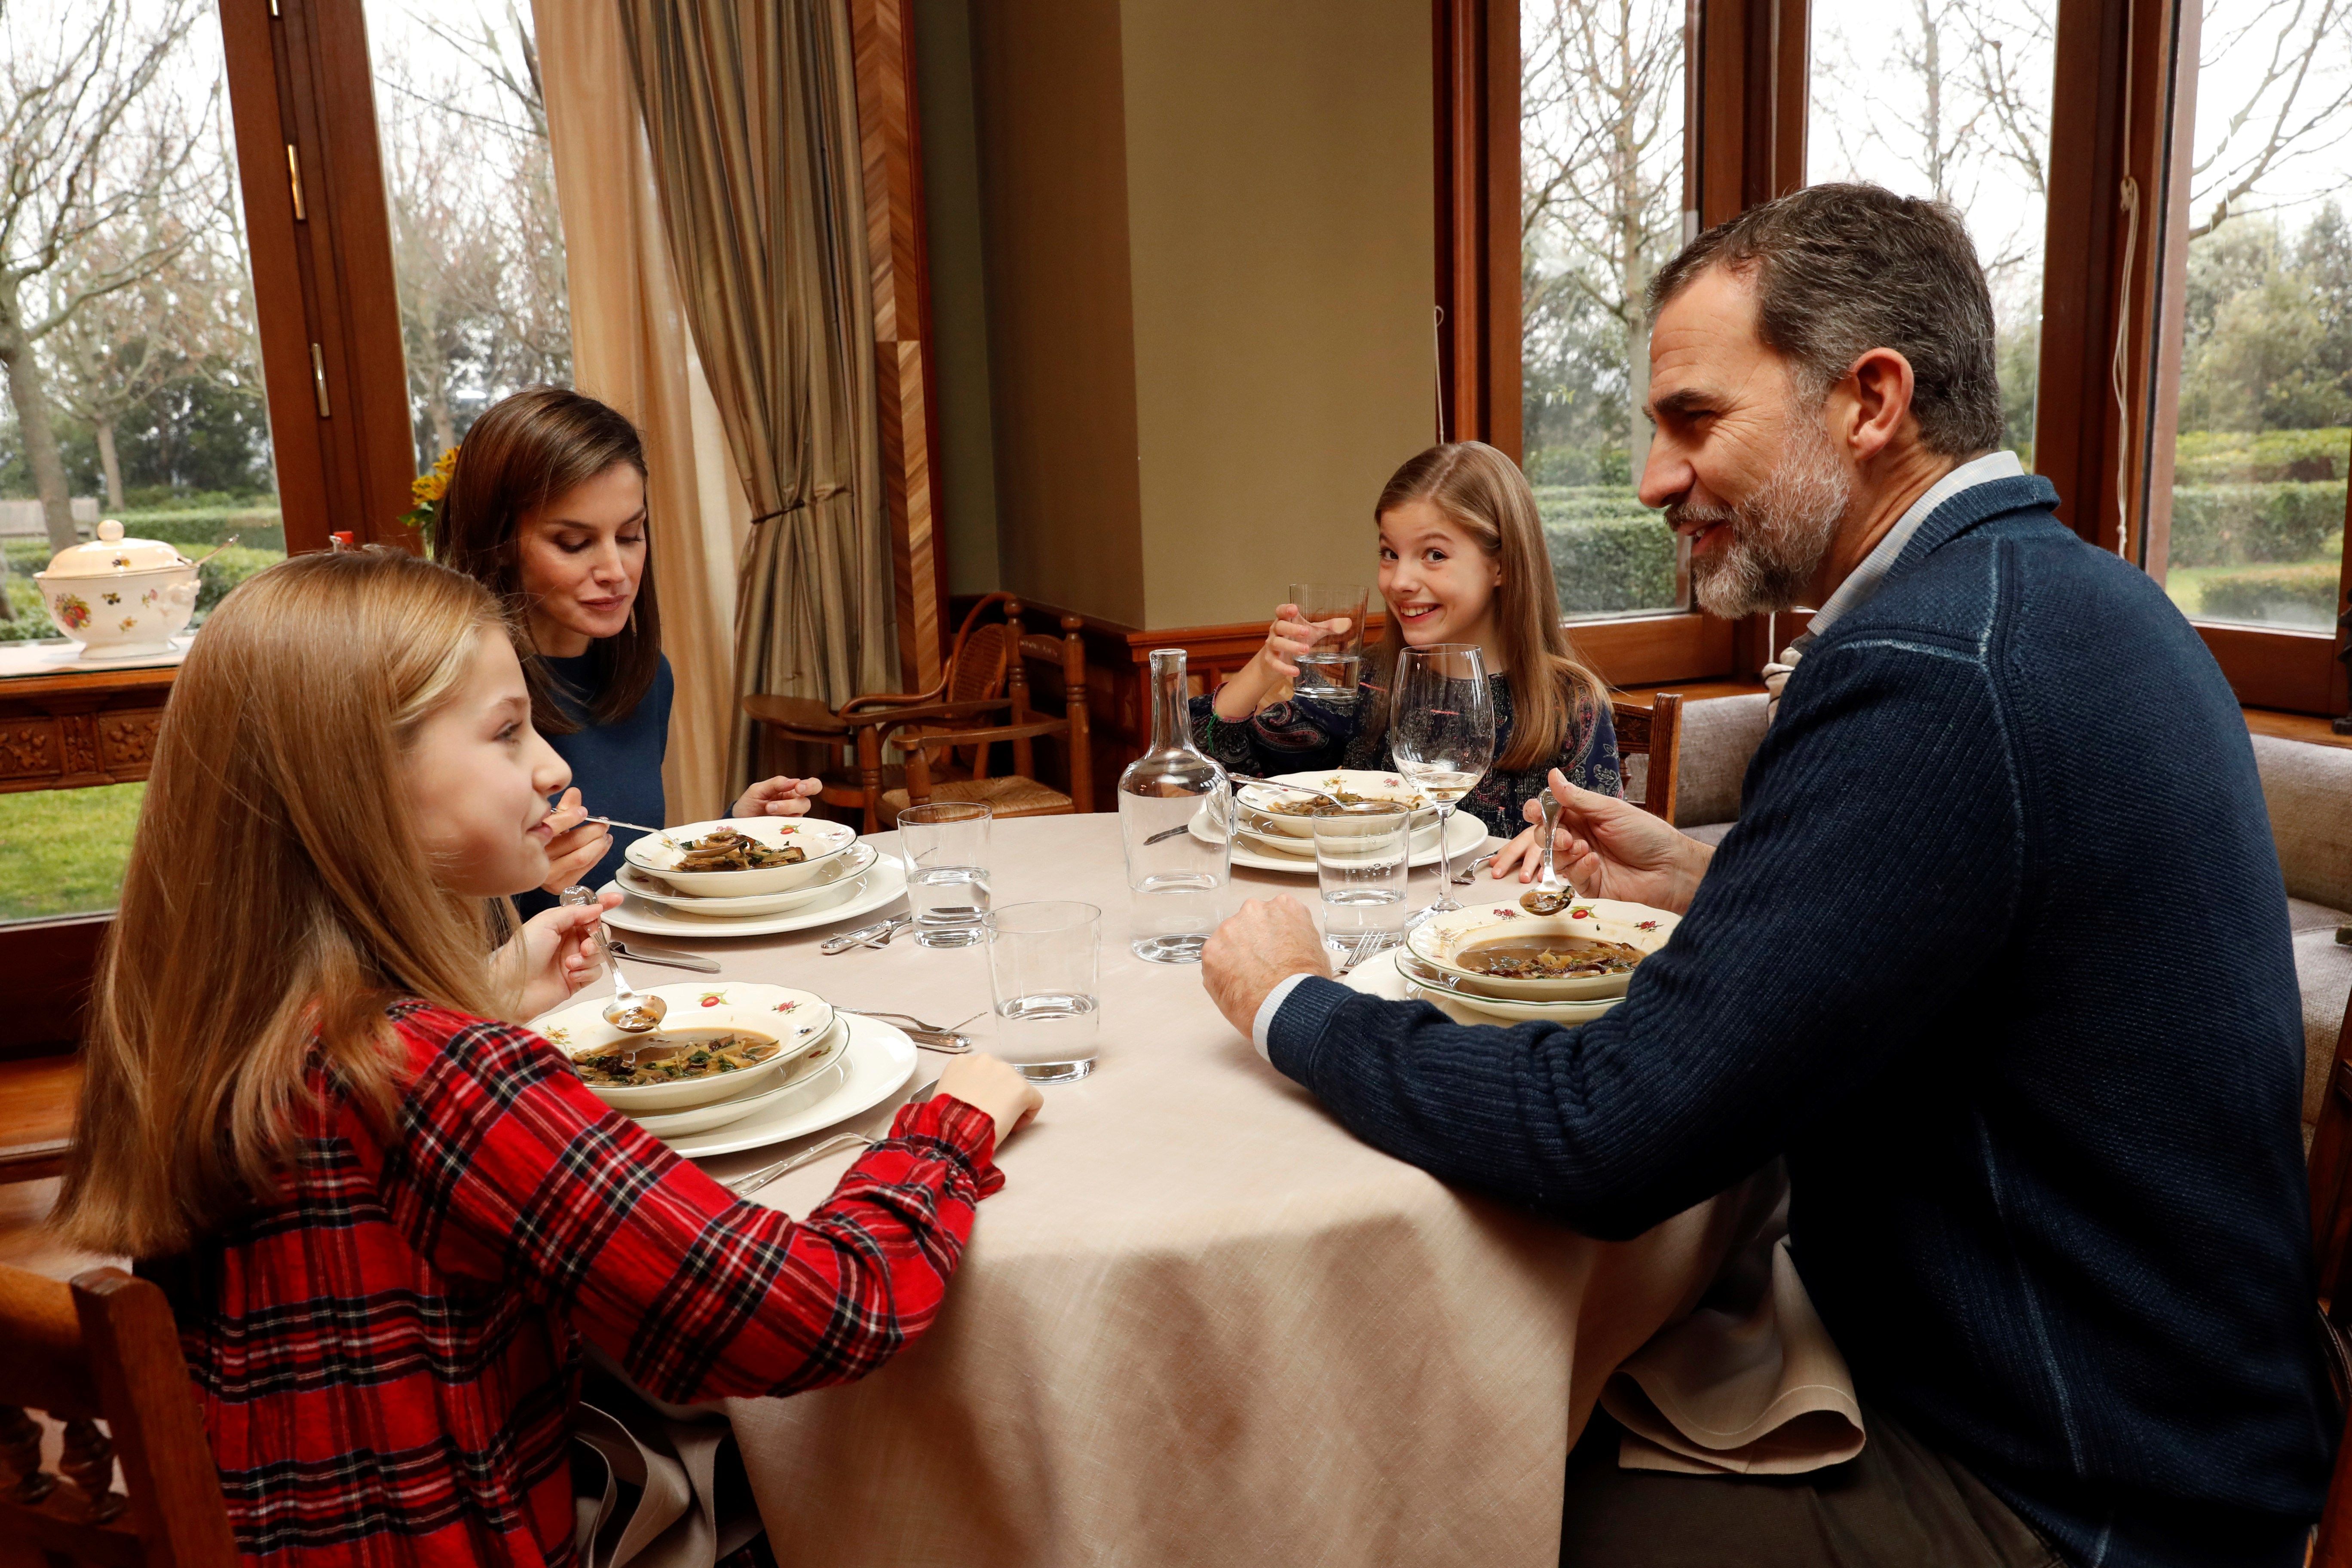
<point>822,493</point>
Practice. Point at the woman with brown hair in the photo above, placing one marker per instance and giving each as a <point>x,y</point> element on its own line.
<point>1462,560</point>
<point>546,507</point>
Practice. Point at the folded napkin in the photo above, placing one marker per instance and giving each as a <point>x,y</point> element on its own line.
<point>645,1480</point>
<point>1749,1382</point>
<point>1745,1381</point>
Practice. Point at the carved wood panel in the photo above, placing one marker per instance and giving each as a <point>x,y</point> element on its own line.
<point>71,732</point>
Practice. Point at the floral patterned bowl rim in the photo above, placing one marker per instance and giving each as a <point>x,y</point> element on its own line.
<point>821,840</point>
<point>1439,942</point>
<point>798,1018</point>
<point>1354,781</point>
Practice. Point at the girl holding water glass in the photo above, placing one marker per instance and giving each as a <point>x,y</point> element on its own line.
<point>1462,560</point>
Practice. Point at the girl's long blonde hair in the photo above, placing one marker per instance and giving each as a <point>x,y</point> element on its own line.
<point>276,898</point>
<point>1482,492</point>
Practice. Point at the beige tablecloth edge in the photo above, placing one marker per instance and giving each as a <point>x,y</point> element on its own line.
<point>1747,1383</point>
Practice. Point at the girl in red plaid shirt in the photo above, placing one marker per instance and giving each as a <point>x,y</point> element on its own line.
<point>389,1217</point>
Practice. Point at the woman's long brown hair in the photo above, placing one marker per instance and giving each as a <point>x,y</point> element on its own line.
<point>1482,492</point>
<point>523,452</point>
<point>273,902</point>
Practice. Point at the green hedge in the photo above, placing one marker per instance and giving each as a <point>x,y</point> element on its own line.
<point>256,527</point>
<point>2258,594</point>
<point>1612,564</point>
<point>2227,525</point>
<point>2267,457</point>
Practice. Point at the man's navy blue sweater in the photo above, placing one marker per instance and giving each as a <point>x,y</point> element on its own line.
<point>1997,956</point>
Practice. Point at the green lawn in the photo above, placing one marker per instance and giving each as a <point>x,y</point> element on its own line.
<point>61,851</point>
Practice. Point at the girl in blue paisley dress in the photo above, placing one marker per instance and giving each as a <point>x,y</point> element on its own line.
<point>1462,560</point>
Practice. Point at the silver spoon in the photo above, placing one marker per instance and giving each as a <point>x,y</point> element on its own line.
<point>1551,894</point>
<point>627,1011</point>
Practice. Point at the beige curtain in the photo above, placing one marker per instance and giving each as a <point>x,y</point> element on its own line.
<point>751,114</point>
<point>630,348</point>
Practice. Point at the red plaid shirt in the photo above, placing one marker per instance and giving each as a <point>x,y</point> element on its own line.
<point>387,1357</point>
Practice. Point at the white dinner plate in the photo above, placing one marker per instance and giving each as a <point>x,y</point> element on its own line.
<point>1464,831</point>
<point>1379,977</point>
<point>881,1059</point>
<point>806,1082</point>
<point>885,884</point>
<point>838,872</point>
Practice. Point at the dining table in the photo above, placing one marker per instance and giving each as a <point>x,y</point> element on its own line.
<point>1202,1323</point>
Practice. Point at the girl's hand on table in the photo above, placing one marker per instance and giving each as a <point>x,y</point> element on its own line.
<point>554,954</point>
<point>1275,667</point>
<point>778,796</point>
<point>1609,849</point>
<point>578,845</point>
<point>988,1085</point>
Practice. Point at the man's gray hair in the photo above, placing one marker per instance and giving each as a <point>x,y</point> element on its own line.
<point>1842,270</point>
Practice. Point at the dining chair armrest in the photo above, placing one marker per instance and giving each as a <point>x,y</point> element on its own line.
<point>932,713</point>
<point>885,702</point>
<point>981,737</point>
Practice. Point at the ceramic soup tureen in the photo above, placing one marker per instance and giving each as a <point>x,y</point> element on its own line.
<point>120,596</point>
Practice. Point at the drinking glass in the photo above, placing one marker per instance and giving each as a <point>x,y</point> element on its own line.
<point>1442,737</point>
<point>1362,853</point>
<point>945,846</point>
<point>1044,961</point>
<point>1175,823</point>
<point>1333,665</point>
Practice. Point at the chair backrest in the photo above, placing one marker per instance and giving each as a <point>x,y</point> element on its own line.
<point>2331,1235</point>
<point>1653,734</point>
<point>104,1348</point>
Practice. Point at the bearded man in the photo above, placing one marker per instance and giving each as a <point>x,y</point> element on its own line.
<point>1996,958</point>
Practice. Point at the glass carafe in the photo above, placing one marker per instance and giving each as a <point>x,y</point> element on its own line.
<point>1175,815</point>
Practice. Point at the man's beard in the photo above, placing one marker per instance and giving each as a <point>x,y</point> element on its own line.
<point>1779,535</point>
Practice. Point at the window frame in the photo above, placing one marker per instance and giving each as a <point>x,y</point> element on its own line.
<point>2129,113</point>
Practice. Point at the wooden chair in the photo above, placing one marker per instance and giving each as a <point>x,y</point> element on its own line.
<point>1019,793</point>
<point>971,688</point>
<point>104,1348</point>
<point>1651,732</point>
<point>2331,1236</point>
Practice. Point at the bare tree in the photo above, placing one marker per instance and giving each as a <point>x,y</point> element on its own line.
<point>477,234</point>
<point>1602,129</point>
<point>185,318</point>
<point>92,136</point>
<point>2298,105</point>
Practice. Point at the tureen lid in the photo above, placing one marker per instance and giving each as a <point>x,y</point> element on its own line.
<point>110,555</point>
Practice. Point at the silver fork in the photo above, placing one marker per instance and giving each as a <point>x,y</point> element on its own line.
<point>931,1036</point>
<point>1469,874</point>
<point>743,1186</point>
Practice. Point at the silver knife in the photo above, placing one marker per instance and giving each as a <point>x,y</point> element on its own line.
<point>864,935</point>
<point>662,956</point>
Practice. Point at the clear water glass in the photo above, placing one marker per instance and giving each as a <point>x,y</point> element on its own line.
<point>945,846</point>
<point>1442,737</point>
<point>1362,858</point>
<point>1175,821</point>
<point>1336,663</point>
<point>1045,966</point>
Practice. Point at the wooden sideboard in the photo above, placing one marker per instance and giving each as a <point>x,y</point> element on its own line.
<point>80,727</point>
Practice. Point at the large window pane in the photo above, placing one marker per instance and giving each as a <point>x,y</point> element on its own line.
<point>1950,98</point>
<point>477,245</point>
<point>2265,390</point>
<point>134,389</point>
<point>1601,137</point>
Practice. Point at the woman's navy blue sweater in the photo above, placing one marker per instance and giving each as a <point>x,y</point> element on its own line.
<point>1997,956</point>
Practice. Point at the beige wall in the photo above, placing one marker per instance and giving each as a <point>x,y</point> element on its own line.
<point>1053,171</point>
<point>1280,218</point>
<point>1210,276</point>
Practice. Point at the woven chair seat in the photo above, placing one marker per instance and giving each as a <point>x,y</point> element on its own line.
<point>1009,796</point>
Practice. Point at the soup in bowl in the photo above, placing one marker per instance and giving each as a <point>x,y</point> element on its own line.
<point>1587,951</point>
<point>739,859</point>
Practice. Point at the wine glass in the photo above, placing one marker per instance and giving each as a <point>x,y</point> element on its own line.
<point>1442,737</point>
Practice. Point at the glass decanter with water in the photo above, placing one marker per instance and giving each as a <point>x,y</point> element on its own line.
<point>1175,815</point>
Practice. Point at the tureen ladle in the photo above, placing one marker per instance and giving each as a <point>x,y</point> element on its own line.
<point>627,1011</point>
<point>1551,894</point>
